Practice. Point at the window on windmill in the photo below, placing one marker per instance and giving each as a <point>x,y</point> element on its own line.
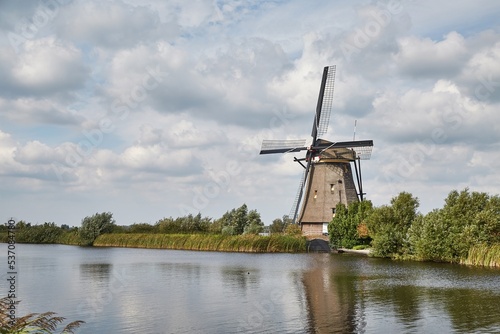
<point>315,194</point>
<point>340,181</point>
<point>333,212</point>
<point>332,188</point>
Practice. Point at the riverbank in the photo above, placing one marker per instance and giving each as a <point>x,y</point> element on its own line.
<point>479,255</point>
<point>206,242</point>
<point>200,242</point>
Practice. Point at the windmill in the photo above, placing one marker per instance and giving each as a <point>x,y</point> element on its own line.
<point>328,179</point>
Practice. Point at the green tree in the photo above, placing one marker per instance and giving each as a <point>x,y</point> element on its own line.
<point>94,226</point>
<point>293,229</point>
<point>228,230</point>
<point>343,229</point>
<point>168,225</point>
<point>279,224</point>
<point>388,225</point>
<point>240,219</point>
<point>47,233</point>
<point>194,224</point>
<point>22,224</point>
<point>235,221</point>
<point>447,234</point>
<point>215,227</point>
<point>254,224</point>
<point>227,224</point>
<point>142,228</point>
<point>428,238</point>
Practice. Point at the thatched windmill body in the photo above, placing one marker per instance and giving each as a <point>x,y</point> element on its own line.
<point>328,178</point>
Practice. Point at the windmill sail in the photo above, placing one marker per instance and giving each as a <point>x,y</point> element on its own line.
<point>301,189</point>
<point>282,146</point>
<point>293,210</point>
<point>364,152</point>
<point>361,148</point>
<point>325,101</point>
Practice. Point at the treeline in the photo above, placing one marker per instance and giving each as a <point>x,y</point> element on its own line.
<point>238,221</point>
<point>465,230</point>
<point>47,233</point>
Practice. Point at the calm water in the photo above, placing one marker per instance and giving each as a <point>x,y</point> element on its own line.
<point>117,290</point>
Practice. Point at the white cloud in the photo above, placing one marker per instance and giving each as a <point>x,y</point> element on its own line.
<point>481,75</point>
<point>7,149</point>
<point>44,66</point>
<point>427,58</point>
<point>198,12</point>
<point>112,24</point>
<point>191,89</point>
<point>38,111</point>
<point>35,152</point>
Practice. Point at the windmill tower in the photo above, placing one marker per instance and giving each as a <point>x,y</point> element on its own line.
<point>328,178</point>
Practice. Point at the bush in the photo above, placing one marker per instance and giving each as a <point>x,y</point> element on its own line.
<point>141,228</point>
<point>253,228</point>
<point>240,221</point>
<point>279,224</point>
<point>94,226</point>
<point>388,225</point>
<point>448,234</point>
<point>293,230</point>
<point>47,233</point>
<point>229,230</point>
<point>344,229</point>
<point>188,224</point>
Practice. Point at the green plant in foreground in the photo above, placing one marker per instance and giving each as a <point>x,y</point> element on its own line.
<point>483,255</point>
<point>46,323</point>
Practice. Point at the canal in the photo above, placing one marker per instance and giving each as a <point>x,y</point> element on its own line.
<point>119,290</point>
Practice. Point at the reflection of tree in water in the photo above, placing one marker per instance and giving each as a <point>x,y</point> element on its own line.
<point>96,271</point>
<point>469,309</point>
<point>189,272</point>
<point>346,294</point>
<point>405,301</point>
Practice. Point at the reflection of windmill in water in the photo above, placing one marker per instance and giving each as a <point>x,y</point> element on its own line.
<point>328,178</point>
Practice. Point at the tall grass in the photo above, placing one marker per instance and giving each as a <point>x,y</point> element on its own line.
<point>206,242</point>
<point>69,238</point>
<point>483,255</point>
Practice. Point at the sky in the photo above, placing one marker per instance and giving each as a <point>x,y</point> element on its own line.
<point>151,109</point>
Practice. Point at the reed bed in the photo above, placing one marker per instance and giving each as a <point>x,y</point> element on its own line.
<point>69,238</point>
<point>206,242</point>
<point>483,255</point>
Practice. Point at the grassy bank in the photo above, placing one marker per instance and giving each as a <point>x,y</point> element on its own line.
<point>483,255</point>
<point>206,242</point>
